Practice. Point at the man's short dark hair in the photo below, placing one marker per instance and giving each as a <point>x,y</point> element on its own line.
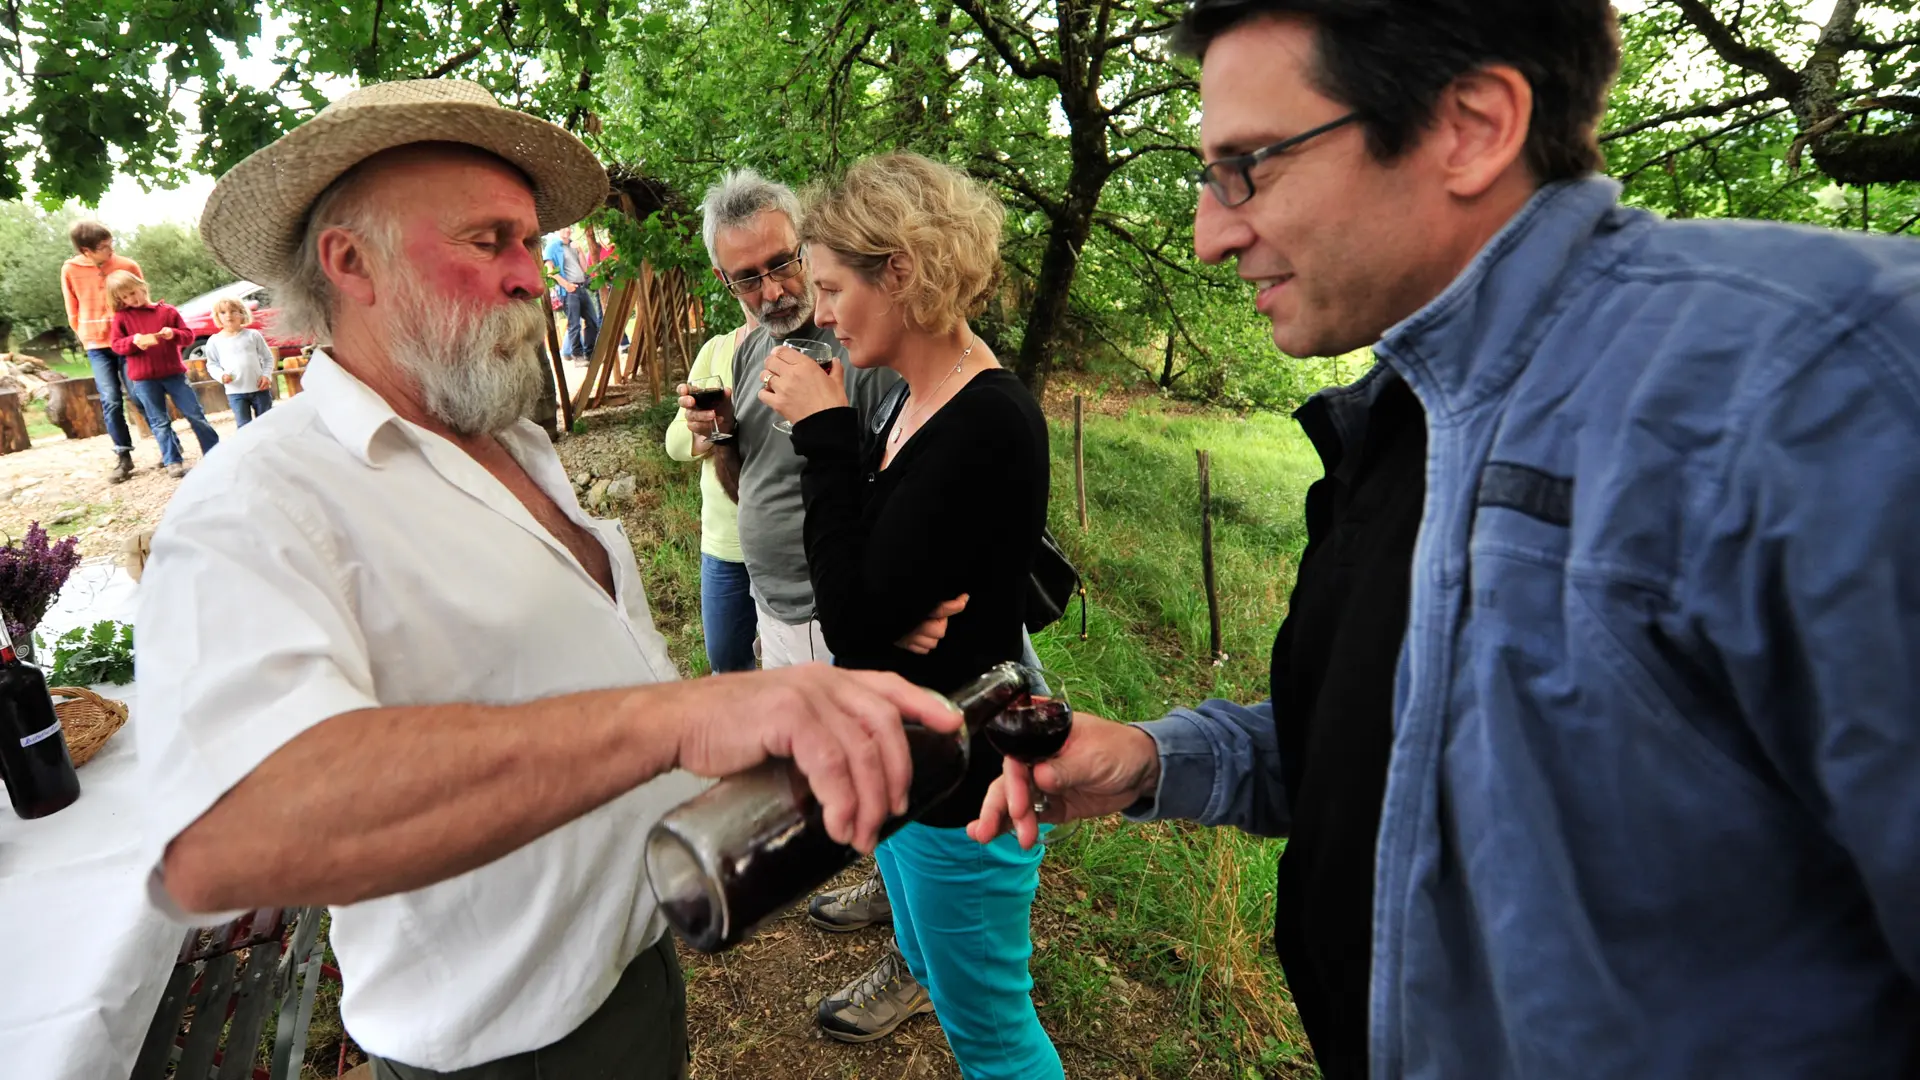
<point>87,235</point>
<point>1390,60</point>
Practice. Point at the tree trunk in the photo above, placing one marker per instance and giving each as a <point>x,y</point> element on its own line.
<point>1166,365</point>
<point>1052,293</point>
<point>74,406</point>
<point>13,424</point>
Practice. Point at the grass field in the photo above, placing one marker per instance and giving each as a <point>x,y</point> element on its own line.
<point>1184,909</point>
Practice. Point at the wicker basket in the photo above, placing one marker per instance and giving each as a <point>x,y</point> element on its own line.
<point>87,720</point>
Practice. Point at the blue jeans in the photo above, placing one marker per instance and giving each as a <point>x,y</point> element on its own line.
<point>726,614</point>
<point>960,914</point>
<point>249,405</point>
<point>152,394</point>
<point>583,323</point>
<point>109,370</point>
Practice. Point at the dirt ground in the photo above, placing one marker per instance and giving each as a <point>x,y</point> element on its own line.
<point>59,476</point>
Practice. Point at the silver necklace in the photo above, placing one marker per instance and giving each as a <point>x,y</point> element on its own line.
<point>900,429</point>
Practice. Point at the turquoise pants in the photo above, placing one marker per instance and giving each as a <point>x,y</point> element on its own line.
<point>960,913</point>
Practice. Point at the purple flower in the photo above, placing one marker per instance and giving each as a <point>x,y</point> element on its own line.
<point>31,574</point>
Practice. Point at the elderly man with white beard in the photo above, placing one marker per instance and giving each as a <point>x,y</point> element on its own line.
<point>388,664</point>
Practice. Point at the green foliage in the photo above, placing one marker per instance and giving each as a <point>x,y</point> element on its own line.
<point>178,267</point>
<point>1736,162</point>
<point>33,244</point>
<point>87,656</point>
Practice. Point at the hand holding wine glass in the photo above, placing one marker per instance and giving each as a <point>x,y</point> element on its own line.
<point>1102,768</point>
<point>709,409</point>
<point>709,406</point>
<point>801,378</point>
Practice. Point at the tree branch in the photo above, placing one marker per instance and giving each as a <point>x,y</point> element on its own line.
<point>1148,93</point>
<point>457,61</point>
<point>1701,141</point>
<point>1013,178</point>
<point>1784,80</point>
<point>1693,113</point>
<point>1155,148</point>
<point>1881,48</point>
<point>996,36</point>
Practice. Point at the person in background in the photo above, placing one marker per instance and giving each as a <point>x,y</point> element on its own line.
<point>241,359</point>
<point>749,225</point>
<point>570,277</point>
<point>947,497</point>
<point>1649,810</point>
<point>726,590</point>
<point>151,337</point>
<point>83,283</point>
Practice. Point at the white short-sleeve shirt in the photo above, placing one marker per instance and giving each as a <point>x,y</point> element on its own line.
<point>332,557</point>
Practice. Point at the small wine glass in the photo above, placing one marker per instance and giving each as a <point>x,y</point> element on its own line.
<point>819,352</point>
<point>709,391</point>
<point>1035,726</point>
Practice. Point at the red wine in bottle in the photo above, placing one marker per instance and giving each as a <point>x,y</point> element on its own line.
<point>752,845</point>
<point>33,751</point>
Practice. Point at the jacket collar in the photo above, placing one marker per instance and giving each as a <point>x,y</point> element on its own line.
<point>1471,341</point>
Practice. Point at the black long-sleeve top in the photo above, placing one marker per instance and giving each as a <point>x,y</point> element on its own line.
<point>959,510</point>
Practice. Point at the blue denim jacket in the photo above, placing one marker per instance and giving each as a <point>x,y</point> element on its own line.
<point>1654,804</point>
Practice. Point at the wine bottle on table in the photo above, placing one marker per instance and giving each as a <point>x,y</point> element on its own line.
<point>33,752</point>
<point>747,848</point>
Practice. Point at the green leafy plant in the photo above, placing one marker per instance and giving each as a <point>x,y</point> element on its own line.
<point>102,653</point>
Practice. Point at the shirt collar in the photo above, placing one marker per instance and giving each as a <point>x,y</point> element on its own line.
<point>352,411</point>
<point>1476,336</point>
<point>356,414</point>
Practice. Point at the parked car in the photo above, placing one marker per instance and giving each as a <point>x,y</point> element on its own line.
<point>198,313</point>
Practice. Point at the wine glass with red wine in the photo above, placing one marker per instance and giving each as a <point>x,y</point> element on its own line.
<point>1035,725</point>
<point>817,351</point>
<point>709,391</point>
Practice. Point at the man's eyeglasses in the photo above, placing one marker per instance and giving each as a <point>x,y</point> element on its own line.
<point>785,270</point>
<point>1231,178</point>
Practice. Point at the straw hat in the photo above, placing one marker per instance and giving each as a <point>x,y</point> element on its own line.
<point>255,217</point>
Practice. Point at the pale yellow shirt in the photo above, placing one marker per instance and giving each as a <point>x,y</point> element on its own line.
<point>719,515</point>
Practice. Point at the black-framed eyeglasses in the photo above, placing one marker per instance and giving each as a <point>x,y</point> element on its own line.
<point>1231,178</point>
<point>784,270</point>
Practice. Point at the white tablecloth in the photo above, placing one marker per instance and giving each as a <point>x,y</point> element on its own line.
<point>83,955</point>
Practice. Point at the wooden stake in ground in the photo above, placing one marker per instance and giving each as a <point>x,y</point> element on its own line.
<point>1079,464</point>
<point>1206,559</point>
<point>559,375</point>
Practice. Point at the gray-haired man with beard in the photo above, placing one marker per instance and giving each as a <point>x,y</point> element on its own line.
<point>388,664</point>
<point>750,236</point>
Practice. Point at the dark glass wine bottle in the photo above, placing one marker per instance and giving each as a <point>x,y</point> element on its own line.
<point>727,860</point>
<point>33,751</point>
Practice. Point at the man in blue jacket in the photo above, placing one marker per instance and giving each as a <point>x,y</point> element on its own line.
<point>1653,801</point>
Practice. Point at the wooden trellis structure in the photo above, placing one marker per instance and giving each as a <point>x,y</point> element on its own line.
<point>654,310</point>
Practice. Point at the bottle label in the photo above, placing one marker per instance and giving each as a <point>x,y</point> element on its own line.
<point>41,736</point>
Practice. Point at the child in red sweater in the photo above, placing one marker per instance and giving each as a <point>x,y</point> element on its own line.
<point>151,337</point>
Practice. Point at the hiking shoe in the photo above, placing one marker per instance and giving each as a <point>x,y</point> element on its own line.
<point>176,470</point>
<point>122,468</point>
<point>871,1006</point>
<point>855,907</point>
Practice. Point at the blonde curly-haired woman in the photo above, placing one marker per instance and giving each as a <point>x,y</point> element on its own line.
<point>947,500</point>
